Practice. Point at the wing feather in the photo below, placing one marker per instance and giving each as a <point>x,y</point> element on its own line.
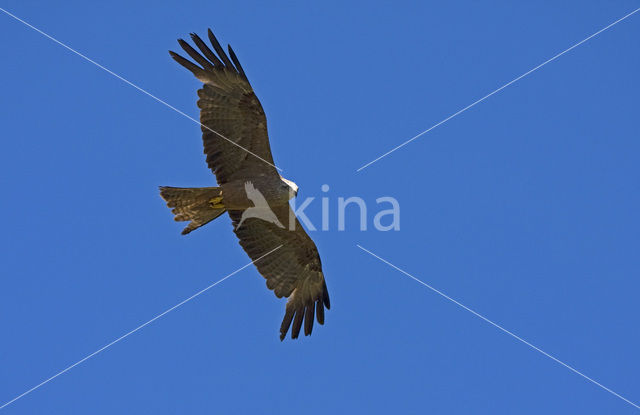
<point>236,62</point>
<point>205,49</point>
<point>218,49</point>
<point>195,69</point>
<point>234,125</point>
<point>195,55</point>
<point>294,270</point>
<point>297,323</point>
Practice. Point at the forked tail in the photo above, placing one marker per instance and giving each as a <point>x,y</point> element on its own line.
<point>198,205</point>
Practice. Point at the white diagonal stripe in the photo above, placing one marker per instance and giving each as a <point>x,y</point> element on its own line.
<point>134,330</point>
<point>497,90</point>
<point>496,325</point>
<point>134,85</point>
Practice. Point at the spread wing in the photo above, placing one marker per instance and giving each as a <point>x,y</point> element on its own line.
<point>234,127</point>
<point>293,270</point>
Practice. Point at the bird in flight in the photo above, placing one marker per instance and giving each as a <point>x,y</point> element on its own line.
<point>250,189</point>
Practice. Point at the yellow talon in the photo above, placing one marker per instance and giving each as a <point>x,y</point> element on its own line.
<point>216,203</point>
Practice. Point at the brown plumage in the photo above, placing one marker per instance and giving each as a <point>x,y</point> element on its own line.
<point>236,144</point>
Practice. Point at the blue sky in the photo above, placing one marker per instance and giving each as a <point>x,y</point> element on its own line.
<point>523,208</point>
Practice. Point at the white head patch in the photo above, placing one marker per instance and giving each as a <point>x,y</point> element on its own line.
<point>291,184</point>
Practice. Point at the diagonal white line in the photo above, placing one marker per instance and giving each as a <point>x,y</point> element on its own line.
<point>498,326</point>
<point>133,85</point>
<point>497,90</point>
<point>134,330</point>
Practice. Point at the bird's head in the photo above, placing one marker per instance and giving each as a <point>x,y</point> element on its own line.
<point>291,185</point>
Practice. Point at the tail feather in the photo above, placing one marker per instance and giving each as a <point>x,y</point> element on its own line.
<point>192,204</point>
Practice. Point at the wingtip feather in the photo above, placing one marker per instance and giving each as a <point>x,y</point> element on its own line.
<point>236,62</point>
<point>286,322</point>
<point>297,324</point>
<point>218,49</point>
<point>325,296</point>
<point>195,69</point>
<point>308,319</point>
<point>320,312</point>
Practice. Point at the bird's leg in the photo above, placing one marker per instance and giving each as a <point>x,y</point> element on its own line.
<point>216,202</point>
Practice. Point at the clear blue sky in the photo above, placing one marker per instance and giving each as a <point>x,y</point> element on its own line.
<point>524,208</point>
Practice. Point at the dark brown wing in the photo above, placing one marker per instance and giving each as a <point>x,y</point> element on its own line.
<point>293,270</point>
<point>234,127</point>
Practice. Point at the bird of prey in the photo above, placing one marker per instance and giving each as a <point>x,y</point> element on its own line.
<point>250,189</point>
